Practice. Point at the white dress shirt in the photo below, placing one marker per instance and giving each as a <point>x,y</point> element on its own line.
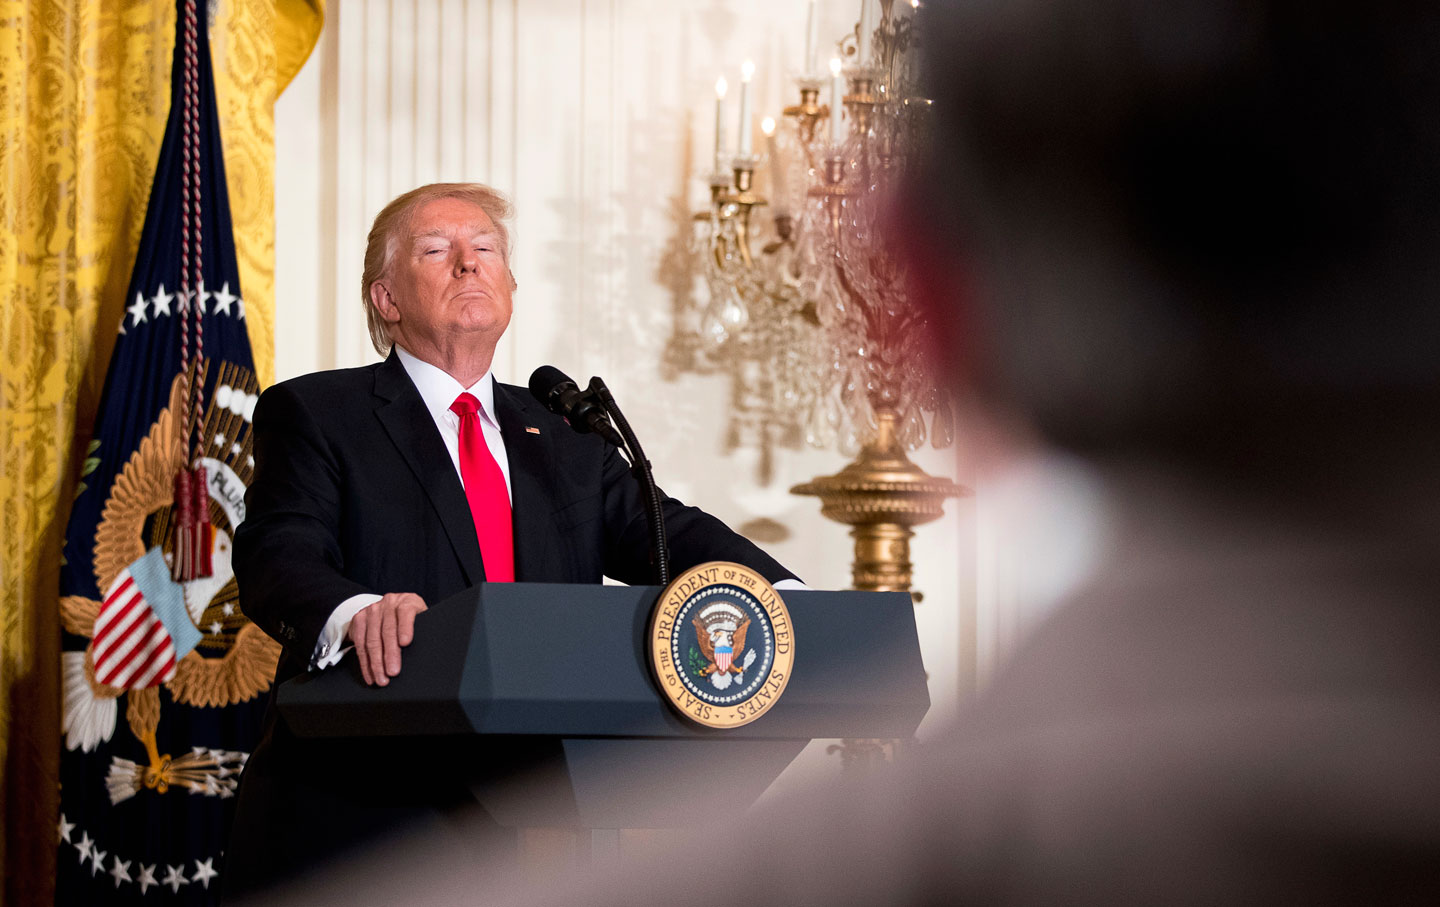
<point>439,391</point>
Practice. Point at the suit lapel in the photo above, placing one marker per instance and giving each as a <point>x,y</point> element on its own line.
<point>531,457</point>
<point>403,414</point>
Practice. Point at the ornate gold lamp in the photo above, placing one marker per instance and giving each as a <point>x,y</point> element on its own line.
<point>739,309</point>
<point>807,308</point>
<point>882,495</point>
<point>848,264</point>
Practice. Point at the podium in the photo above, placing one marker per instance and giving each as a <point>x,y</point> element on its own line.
<point>557,675</point>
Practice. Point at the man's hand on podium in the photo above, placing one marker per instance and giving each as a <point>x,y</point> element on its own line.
<point>379,631</point>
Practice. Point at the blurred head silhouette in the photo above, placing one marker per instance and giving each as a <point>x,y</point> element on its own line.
<point>1204,230</point>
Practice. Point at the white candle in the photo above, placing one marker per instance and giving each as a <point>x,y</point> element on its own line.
<point>780,204</point>
<point>837,97</point>
<point>867,25</point>
<point>912,63</point>
<point>747,72</point>
<point>812,26</point>
<point>720,124</point>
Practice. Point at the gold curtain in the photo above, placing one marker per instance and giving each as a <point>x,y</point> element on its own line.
<point>84,93</point>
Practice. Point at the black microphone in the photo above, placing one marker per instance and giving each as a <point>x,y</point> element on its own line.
<point>559,394</point>
<point>592,410</point>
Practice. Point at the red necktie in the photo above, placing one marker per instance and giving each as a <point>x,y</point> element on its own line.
<point>485,490</point>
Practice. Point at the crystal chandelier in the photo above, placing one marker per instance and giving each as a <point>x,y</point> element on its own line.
<point>807,308</point>
<point>846,259</point>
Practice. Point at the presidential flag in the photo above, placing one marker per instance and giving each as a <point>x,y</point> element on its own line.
<point>163,678</point>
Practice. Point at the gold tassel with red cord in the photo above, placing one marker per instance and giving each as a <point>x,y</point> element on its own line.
<point>191,513</point>
<point>191,519</point>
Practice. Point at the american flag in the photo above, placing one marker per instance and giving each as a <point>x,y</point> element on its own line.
<point>164,682</point>
<point>141,623</point>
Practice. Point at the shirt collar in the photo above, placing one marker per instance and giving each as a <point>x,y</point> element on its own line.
<point>439,390</point>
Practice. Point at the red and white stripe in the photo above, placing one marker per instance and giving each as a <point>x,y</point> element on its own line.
<point>132,647</point>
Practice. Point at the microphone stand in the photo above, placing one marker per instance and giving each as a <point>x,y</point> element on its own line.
<point>640,469</point>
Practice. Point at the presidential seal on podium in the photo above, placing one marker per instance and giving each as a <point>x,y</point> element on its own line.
<point>721,644</point>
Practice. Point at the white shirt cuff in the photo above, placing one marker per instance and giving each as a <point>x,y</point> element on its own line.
<point>782,585</point>
<point>330,647</point>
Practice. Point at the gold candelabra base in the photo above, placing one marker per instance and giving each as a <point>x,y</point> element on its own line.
<point>882,495</point>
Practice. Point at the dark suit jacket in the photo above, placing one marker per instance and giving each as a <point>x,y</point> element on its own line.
<point>355,492</point>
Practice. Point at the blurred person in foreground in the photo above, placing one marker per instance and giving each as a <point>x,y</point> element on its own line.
<point>1201,257</point>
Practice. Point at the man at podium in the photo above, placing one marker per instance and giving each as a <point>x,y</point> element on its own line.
<point>383,489</point>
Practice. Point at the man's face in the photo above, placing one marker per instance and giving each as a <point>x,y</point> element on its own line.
<point>447,291</point>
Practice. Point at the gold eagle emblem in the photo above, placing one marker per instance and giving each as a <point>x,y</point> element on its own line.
<point>242,658</point>
<point>708,640</point>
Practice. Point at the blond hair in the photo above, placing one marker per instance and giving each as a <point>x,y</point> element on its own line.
<point>391,224</point>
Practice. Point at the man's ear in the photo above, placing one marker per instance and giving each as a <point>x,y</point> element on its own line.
<point>514,284</point>
<point>383,302</point>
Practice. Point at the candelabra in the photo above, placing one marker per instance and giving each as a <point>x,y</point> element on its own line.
<point>808,308</point>
<point>848,264</point>
<point>749,319</point>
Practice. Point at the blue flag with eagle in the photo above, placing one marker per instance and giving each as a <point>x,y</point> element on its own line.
<point>162,676</point>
